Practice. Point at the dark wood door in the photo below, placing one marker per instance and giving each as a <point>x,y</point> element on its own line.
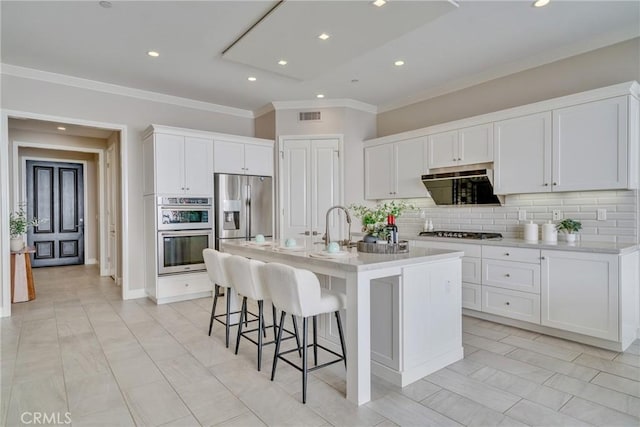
<point>55,191</point>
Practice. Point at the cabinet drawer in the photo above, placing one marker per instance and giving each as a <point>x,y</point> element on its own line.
<point>471,296</point>
<point>518,276</point>
<point>511,254</point>
<point>471,270</point>
<point>183,284</point>
<point>513,304</point>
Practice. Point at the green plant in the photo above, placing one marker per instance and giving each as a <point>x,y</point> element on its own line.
<point>18,223</point>
<point>374,219</point>
<point>569,225</point>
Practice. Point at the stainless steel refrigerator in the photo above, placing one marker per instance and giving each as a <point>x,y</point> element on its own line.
<point>243,206</point>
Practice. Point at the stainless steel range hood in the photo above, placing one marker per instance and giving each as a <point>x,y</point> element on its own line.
<point>472,187</point>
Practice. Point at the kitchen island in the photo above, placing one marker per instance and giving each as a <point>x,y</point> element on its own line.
<point>416,316</point>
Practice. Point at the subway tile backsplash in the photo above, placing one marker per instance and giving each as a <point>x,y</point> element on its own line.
<point>621,225</point>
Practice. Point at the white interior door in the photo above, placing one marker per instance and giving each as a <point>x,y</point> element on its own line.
<point>112,209</point>
<point>310,184</point>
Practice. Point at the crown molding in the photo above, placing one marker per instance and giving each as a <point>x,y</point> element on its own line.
<point>325,103</point>
<point>263,110</point>
<point>63,79</point>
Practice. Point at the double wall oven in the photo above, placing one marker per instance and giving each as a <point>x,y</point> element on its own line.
<point>185,228</point>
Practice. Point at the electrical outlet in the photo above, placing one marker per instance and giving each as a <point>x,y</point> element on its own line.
<point>522,215</point>
<point>556,215</point>
<point>602,215</point>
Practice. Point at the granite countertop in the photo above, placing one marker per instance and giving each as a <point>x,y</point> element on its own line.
<point>310,253</point>
<point>593,247</point>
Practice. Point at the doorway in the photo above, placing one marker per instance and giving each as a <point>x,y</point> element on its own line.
<point>55,195</point>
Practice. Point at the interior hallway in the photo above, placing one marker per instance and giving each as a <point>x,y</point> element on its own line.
<point>79,348</point>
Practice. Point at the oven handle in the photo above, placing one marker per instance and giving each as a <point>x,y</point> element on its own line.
<point>184,233</point>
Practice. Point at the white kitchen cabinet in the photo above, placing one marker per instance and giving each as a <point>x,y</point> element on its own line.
<point>243,158</point>
<point>590,146</point>
<point>461,147</point>
<point>518,305</point>
<point>580,293</point>
<point>310,183</point>
<point>582,147</point>
<point>394,170</point>
<point>178,165</point>
<point>522,154</point>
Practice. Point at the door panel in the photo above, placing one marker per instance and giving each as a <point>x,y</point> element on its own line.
<point>325,191</point>
<point>55,191</point>
<point>296,188</point>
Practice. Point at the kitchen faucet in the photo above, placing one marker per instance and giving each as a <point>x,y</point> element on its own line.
<point>326,231</point>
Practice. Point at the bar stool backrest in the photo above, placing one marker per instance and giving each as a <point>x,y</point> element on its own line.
<point>214,262</point>
<point>246,276</point>
<point>293,290</point>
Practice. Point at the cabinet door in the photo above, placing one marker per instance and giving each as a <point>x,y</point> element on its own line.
<point>443,149</point>
<point>379,170</point>
<point>409,166</point>
<point>198,171</point>
<point>258,159</point>
<point>590,146</point>
<point>475,144</point>
<point>522,154</point>
<point>228,157</point>
<point>579,293</point>
<point>169,161</point>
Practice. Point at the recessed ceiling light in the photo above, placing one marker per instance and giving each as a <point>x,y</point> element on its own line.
<point>324,36</point>
<point>282,62</point>
<point>399,63</point>
<point>153,53</point>
<point>379,3</point>
<point>105,4</point>
<point>251,79</point>
<point>62,128</point>
<point>540,3</point>
<point>319,95</point>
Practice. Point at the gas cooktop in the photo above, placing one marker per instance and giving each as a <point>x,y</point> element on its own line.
<point>462,235</point>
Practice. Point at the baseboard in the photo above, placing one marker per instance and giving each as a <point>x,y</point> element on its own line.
<point>135,294</point>
<point>90,261</point>
<point>4,313</point>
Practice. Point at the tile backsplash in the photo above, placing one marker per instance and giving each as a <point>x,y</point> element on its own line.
<point>620,226</point>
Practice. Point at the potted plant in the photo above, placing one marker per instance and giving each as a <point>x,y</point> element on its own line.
<point>570,227</point>
<point>18,224</point>
<point>374,219</point>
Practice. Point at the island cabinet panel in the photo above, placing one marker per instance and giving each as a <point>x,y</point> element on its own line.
<point>431,317</point>
<point>385,318</point>
<point>327,325</point>
<point>580,293</point>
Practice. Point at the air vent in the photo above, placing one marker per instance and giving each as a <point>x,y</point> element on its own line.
<point>305,116</point>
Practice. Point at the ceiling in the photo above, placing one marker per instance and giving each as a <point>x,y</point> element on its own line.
<point>444,47</point>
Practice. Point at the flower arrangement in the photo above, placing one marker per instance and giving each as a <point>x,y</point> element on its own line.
<point>18,223</point>
<point>374,219</point>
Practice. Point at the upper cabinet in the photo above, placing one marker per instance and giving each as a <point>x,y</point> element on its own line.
<point>178,165</point>
<point>579,148</point>
<point>246,158</point>
<point>461,147</point>
<point>394,170</point>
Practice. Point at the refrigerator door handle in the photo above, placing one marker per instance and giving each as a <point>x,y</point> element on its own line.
<point>248,222</point>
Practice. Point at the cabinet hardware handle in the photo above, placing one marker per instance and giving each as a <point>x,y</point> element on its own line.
<point>315,233</point>
<point>459,159</point>
<point>507,275</point>
<point>506,254</point>
<point>186,284</point>
<point>454,159</point>
<point>182,188</point>
<point>507,303</point>
<point>542,257</point>
<point>546,184</point>
<point>555,183</point>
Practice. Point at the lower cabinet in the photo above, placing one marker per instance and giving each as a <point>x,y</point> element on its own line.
<point>177,287</point>
<point>514,304</point>
<point>580,293</point>
<point>471,296</point>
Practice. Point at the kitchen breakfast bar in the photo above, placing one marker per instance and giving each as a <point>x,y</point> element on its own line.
<point>411,302</point>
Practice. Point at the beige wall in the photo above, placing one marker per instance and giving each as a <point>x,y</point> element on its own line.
<point>35,96</point>
<point>602,67</point>
<point>266,125</point>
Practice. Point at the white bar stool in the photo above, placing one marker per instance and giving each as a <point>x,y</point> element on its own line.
<point>246,276</point>
<point>298,292</point>
<point>215,264</point>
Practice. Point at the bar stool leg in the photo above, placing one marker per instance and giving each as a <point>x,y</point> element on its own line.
<point>295,330</point>
<point>260,331</point>
<point>344,350</point>
<point>213,309</point>
<point>242,315</point>
<point>228,317</point>
<point>275,317</point>
<point>278,340</point>
<point>315,340</point>
<point>304,359</point>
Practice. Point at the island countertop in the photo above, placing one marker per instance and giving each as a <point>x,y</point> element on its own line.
<point>310,253</point>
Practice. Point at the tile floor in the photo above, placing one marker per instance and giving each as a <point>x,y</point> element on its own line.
<point>79,349</point>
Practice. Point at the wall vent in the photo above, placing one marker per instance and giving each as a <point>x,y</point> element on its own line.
<point>305,116</point>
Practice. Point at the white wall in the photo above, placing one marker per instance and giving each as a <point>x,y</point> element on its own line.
<point>54,99</point>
